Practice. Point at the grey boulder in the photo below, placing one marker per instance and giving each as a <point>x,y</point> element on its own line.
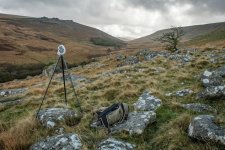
<point>183,92</point>
<point>220,71</point>
<point>197,107</point>
<point>212,92</point>
<point>203,128</point>
<point>60,142</point>
<point>147,102</point>
<point>49,117</point>
<point>135,123</point>
<point>211,78</point>
<point>120,57</point>
<point>113,144</point>
<point>9,92</point>
<point>131,60</point>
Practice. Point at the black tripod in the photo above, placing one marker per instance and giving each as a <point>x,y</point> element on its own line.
<point>64,66</point>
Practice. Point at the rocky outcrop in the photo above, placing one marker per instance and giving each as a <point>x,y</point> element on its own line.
<point>210,78</point>
<point>131,60</point>
<point>214,84</point>
<point>113,144</point>
<point>120,57</point>
<point>150,55</point>
<point>197,107</point>
<point>183,92</point>
<point>212,92</point>
<point>182,58</point>
<point>9,92</point>
<point>136,122</point>
<point>49,117</point>
<point>147,102</point>
<point>60,142</point>
<point>203,128</point>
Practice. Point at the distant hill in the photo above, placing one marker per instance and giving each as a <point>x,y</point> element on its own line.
<point>27,42</point>
<point>207,35</point>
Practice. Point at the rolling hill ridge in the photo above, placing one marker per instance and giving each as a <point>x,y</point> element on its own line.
<point>201,36</point>
<point>30,43</point>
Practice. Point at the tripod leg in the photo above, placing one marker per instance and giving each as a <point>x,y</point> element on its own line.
<point>64,82</point>
<point>47,87</point>
<point>74,91</point>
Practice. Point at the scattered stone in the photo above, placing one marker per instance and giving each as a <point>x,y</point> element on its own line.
<point>49,117</point>
<point>147,102</point>
<point>183,92</point>
<point>197,107</point>
<point>9,92</point>
<point>150,55</point>
<point>168,94</point>
<point>113,144</point>
<point>183,58</point>
<point>203,128</point>
<point>136,122</point>
<point>59,142</point>
<point>131,60</point>
<point>212,92</point>
<point>60,130</point>
<point>209,78</point>
<point>220,71</point>
<point>120,57</point>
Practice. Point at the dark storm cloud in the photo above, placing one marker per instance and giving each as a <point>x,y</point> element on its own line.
<point>132,18</point>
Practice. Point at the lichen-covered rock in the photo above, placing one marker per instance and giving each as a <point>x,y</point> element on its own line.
<point>182,58</point>
<point>9,92</point>
<point>113,144</point>
<point>60,142</point>
<point>203,128</point>
<point>131,60</point>
<point>147,102</point>
<point>136,122</point>
<point>211,78</point>
<point>197,107</point>
<point>49,117</point>
<point>220,71</point>
<point>120,57</point>
<point>183,92</point>
<point>212,92</point>
<point>150,55</point>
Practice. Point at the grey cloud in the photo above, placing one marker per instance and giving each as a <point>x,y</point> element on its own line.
<point>122,17</point>
<point>200,6</point>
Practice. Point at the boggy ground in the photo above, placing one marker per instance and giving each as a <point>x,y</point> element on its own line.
<point>19,129</point>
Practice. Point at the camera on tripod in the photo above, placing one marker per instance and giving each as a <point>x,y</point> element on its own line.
<point>61,50</point>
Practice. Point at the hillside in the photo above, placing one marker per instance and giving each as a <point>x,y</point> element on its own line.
<point>30,43</point>
<point>179,92</point>
<point>202,36</point>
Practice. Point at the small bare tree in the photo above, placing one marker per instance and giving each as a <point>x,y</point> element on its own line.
<point>172,38</point>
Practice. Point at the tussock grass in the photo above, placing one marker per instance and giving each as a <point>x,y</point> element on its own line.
<point>168,132</point>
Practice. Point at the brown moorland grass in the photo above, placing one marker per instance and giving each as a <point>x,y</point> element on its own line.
<point>168,132</point>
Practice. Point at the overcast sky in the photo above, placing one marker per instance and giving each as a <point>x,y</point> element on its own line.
<point>123,18</point>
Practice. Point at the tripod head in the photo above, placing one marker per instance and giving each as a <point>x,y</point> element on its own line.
<point>61,50</point>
